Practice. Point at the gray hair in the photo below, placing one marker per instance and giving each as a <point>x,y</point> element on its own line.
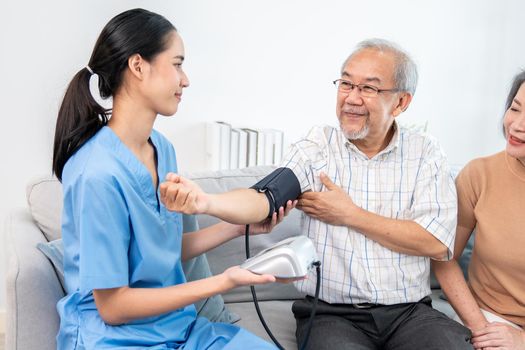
<point>405,75</point>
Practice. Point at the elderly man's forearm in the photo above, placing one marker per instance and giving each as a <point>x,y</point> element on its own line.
<point>402,236</point>
<point>241,206</point>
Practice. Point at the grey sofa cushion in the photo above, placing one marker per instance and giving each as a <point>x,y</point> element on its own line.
<point>44,197</point>
<point>212,308</point>
<point>464,259</point>
<point>278,316</point>
<point>54,251</point>
<point>229,253</point>
<point>32,287</point>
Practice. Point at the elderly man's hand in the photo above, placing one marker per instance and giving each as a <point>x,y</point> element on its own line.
<point>182,195</point>
<point>331,206</point>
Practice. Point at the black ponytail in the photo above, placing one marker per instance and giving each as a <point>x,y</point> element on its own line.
<point>80,117</point>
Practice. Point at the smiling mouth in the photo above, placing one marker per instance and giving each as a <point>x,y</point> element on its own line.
<point>354,115</point>
<point>515,140</point>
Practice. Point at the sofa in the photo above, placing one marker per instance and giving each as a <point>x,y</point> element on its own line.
<point>34,283</point>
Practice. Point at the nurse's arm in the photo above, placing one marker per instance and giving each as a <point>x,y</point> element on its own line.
<point>198,242</point>
<point>124,304</point>
<point>240,206</point>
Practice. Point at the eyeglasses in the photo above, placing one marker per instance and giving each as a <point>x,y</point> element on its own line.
<point>364,90</point>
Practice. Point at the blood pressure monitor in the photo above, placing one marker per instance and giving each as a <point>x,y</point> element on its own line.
<point>290,258</point>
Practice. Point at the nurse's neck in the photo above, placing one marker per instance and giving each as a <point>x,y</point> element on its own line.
<point>131,122</point>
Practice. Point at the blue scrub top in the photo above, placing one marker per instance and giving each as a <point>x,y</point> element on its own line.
<point>116,233</point>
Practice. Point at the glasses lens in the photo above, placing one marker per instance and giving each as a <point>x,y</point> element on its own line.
<point>368,91</point>
<point>344,85</point>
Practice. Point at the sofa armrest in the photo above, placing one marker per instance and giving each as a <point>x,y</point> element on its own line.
<point>32,287</point>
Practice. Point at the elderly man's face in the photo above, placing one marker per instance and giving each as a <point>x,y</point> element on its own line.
<point>368,119</point>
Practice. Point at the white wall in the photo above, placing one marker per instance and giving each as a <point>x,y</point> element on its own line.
<point>264,63</point>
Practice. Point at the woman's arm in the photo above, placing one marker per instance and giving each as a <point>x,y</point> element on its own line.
<point>120,305</point>
<point>455,287</point>
<point>198,242</point>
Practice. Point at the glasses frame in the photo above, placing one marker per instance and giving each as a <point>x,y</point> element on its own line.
<point>360,88</point>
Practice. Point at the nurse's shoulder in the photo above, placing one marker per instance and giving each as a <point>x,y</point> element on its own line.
<point>95,160</point>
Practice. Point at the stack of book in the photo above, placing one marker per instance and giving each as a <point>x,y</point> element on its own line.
<point>229,147</point>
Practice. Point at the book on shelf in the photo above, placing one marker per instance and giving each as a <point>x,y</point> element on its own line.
<point>278,139</point>
<point>243,149</point>
<point>213,146</point>
<point>229,147</point>
<point>269,144</point>
<point>272,147</point>
<point>224,150</point>
<point>251,149</point>
<point>261,148</point>
<point>234,149</point>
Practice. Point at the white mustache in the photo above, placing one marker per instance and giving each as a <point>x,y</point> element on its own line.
<point>352,110</point>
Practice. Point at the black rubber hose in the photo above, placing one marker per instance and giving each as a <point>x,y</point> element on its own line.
<point>254,296</point>
<point>317,265</point>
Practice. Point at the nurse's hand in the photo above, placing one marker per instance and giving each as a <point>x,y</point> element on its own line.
<point>269,224</point>
<point>241,277</point>
<point>183,195</point>
<point>236,277</point>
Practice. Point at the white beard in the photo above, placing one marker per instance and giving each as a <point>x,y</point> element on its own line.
<point>360,134</point>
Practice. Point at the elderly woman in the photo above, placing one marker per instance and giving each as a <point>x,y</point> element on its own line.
<point>491,195</point>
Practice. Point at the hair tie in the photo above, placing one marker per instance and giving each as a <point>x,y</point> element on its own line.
<point>90,70</point>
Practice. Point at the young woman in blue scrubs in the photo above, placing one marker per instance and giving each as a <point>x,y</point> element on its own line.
<point>123,249</point>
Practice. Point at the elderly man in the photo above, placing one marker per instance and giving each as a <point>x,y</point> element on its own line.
<point>379,203</point>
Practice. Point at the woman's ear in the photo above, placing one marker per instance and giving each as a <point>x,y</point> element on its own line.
<point>404,100</point>
<point>136,66</point>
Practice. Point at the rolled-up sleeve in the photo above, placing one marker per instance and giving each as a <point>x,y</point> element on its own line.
<point>435,199</point>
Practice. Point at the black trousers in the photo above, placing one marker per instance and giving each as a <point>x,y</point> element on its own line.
<point>410,326</point>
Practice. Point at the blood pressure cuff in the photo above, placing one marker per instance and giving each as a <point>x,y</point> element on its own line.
<point>280,186</point>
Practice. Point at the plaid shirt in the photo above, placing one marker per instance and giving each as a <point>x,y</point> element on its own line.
<point>408,180</point>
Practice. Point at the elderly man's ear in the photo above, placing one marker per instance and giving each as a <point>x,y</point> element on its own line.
<point>402,105</point>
